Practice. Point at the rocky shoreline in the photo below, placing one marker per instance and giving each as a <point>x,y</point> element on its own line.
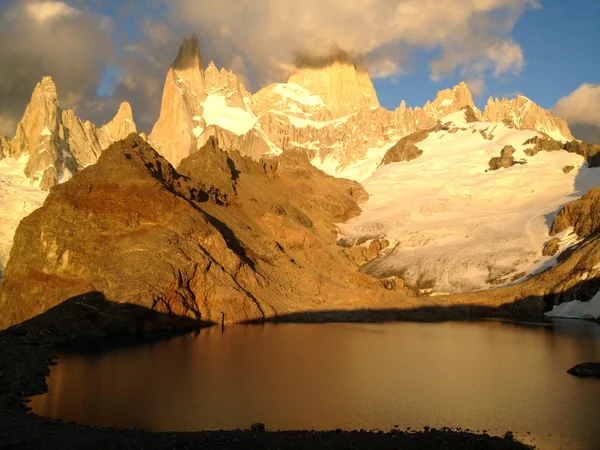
<point>26,353</point>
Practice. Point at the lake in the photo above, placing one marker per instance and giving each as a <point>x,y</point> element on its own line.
<point>482,375</point>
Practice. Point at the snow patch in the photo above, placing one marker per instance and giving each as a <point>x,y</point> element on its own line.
<point>18,198</point>
<point>236,120</point>
<point>197,131</point>
<point>577,310</point>
<point>298,94</point>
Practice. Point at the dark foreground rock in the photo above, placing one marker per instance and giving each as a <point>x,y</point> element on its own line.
<point>587,369</point>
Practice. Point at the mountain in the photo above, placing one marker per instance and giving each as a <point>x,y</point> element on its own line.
<point>56,142</point>
<point>50,145</point>
<point>331,113</point>
<point>228,210</point>
<point>232,242</point>
<point>193,99</point>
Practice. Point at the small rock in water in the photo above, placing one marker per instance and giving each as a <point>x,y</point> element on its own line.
<point>587,369</point>
<point>258,426</point>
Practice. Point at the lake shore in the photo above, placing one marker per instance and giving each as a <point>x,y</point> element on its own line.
<point>26,355</point>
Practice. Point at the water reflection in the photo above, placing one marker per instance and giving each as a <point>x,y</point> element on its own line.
<point>479,375</point>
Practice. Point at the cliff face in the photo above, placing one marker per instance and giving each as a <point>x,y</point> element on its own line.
<point>342,87</point>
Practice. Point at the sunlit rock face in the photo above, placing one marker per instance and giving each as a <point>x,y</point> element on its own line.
<point>225,239</point>
<point>57,143</point>
<point>50,145</point>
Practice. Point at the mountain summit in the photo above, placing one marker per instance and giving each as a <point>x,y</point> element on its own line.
<point>342,86</point>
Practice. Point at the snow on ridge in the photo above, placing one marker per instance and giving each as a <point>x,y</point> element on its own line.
<point>299,122</point>
<point>18,198</point>
<point>299,94</point>
<point>236,120</point>
<point>455,222</point>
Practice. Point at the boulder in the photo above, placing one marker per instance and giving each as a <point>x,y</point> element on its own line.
<point>505,160</point>
<point>587,369</point>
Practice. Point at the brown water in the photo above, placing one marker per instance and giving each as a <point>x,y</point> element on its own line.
<point>494,376</point>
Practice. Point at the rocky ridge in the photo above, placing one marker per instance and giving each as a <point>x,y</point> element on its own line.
<point>233,242</point>
<point>526,115</point>
<point>57,143</point>
<point>331,113</point>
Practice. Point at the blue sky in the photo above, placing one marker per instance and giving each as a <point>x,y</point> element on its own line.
<point>561,45</point>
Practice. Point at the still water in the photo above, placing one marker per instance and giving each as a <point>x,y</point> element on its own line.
<point>494,376</point>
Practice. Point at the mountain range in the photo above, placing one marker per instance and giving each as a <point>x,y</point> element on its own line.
<point>241,206</point>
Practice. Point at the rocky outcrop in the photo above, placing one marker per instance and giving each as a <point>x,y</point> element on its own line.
<point>4,146</point>
<point>591,152</point>
<point>139,232</point>
<point>405,149</point>
<point>505,160</point>
<point>551,247</point>
<point>526,115</point>
<point>587,369</point>
<point>367,252</point>
<point>582,214</point>
<point>541,144</point>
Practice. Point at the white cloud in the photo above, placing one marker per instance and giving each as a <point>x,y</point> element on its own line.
<point>507,57</point>
<point>581,110</point>
<point>41,38</point>
<point>582,105</point>
<point>45,11</point>
<point>270,33</point>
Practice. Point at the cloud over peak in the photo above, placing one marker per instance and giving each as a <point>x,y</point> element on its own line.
<point>45,11</point>
<point>124,48</point>
<point>581,110</point>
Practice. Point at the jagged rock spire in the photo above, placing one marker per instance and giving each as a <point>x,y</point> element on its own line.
<point>118,128</point>
<point>183,93</point>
